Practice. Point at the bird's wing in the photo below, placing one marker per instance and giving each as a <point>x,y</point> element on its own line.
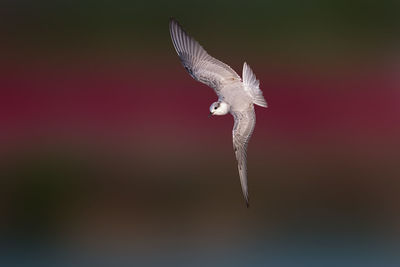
<point>242,130</point>
<point>198,63</point>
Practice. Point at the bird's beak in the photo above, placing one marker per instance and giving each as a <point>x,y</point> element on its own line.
<point>210,114</point>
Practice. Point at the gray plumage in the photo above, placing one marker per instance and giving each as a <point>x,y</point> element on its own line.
<point>234,95</point>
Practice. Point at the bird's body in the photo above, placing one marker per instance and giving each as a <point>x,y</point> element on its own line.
<point>235,95</point>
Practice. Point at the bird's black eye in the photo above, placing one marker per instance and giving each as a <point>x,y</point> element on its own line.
<point>215,107</point>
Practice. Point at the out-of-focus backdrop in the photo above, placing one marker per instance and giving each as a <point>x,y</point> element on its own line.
<point>107,153</point>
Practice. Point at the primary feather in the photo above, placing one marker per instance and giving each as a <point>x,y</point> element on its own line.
<point>242,130</point>
<point>198,63</point>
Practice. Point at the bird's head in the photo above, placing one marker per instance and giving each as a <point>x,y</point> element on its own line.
<point>219,108</point>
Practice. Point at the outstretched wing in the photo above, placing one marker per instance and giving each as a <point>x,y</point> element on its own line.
<point>242,130</point>
<point>200,65</point>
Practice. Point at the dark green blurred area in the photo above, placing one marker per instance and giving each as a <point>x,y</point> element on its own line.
<point>60,193</point>
<point>318,28</point>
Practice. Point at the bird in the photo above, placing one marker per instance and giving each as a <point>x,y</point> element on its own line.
<point>236,95</point>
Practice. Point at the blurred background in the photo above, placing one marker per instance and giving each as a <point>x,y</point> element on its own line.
<point>107,154</point>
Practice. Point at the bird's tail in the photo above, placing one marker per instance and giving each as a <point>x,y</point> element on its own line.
<point>252,86</point>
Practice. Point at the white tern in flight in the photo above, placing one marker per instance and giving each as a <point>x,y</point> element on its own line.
<point>235,95</point>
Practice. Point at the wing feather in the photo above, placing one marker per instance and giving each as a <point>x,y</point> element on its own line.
<point>198,63</point>
<point>242,131</point>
